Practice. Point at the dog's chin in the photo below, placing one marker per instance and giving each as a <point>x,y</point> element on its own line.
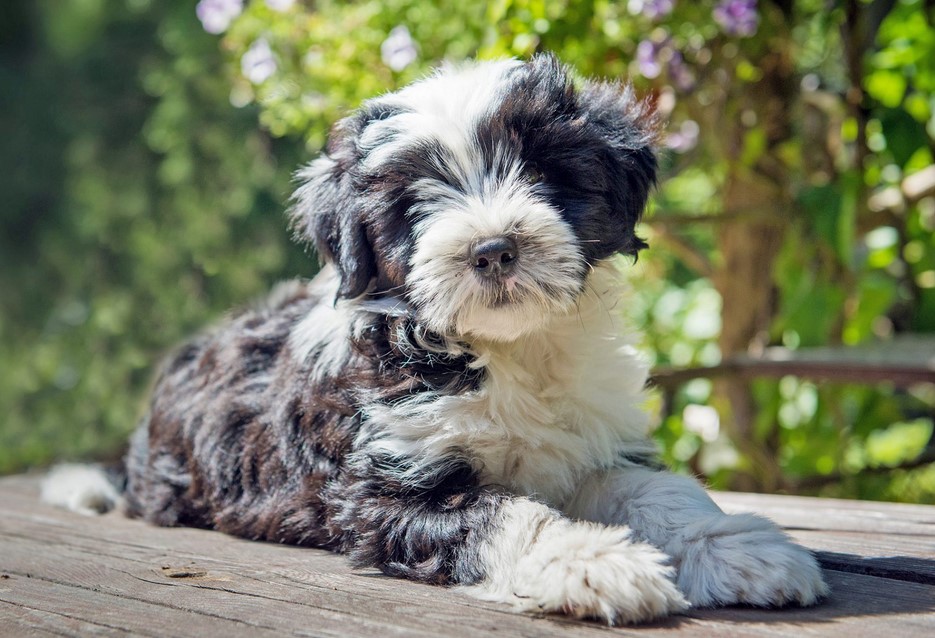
<point>505,322</point>
<point>507,317</point>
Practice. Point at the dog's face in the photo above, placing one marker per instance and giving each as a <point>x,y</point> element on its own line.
<point>482,195</point>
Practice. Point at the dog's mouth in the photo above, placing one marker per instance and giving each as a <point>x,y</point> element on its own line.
<point>501,291</point>
<point>505,294</point>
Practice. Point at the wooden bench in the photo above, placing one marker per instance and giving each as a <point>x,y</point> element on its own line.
<point>65,574</point>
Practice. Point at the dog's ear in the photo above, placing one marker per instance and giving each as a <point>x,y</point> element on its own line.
<point>629,129</point>
<point>328,212</point>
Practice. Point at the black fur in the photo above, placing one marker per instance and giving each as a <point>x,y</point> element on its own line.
<point>240,439</point>
<point>593,147</point>
<point>427,532</point>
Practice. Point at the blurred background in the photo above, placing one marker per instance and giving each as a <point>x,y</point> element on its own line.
<point>148,147</point>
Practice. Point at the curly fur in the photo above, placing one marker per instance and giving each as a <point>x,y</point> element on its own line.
<point>441,423</point>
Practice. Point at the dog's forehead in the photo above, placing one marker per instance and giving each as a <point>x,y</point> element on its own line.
<point>457,92</point>
<point>443,112</point>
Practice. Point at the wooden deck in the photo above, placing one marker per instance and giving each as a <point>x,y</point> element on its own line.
<point>64,574</point>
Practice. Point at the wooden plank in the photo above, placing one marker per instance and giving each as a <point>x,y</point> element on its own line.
<point>36,623</point>
<point>250,600</point>
<point>269,586</point>
<point>859,606</point>
<point>74,575</point>
<point>809,513</point>
<point>74,610</point>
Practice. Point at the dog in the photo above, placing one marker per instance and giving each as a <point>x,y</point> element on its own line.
<point>452,399</point>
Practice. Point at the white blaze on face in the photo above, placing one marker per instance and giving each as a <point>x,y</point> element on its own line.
<point>546,276</point>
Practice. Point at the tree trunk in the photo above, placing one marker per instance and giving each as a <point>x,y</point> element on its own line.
<point>745,282</point>
<point>757,189</point>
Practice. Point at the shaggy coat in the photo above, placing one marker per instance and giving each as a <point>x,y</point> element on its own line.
<point>452,399</point>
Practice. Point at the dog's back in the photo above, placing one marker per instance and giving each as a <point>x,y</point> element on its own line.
<point>230,442</point>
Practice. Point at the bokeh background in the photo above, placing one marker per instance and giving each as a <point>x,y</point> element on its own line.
<point>147,148</point>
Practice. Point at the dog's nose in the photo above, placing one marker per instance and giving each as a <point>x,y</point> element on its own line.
<point>494,256</point>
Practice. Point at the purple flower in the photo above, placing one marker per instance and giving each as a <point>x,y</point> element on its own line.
<point>258,63</point>
<point>647,58</point>
<point>679,73</point>
<point>685,138</point>
<point>398,50</point>
<point>280,5</point>
<point>652,9</point>
<point>737,17</point>
<point>655,55</point>
<point>217,15</point>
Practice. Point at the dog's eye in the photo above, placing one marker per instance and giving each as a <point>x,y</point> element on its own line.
<point>532,173</point>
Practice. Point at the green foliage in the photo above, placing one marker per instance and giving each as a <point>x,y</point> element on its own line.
<point>147,163</point>
<point>143,205</point>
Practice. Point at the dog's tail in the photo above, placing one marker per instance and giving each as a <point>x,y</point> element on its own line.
<point>86,489</point>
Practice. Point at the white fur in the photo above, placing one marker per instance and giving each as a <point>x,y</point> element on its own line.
<point>721,559</point>
<point>538,561</point>
<point>443,112</point>
<point>80,488</point>
<point>324,332</point>
<point>556,405</point>
<point>547,274</point>
<point>446,107</point>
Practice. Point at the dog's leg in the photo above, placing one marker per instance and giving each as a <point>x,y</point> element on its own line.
<point>721,558</point>
<point>505,548</point>
<point>540,561</point>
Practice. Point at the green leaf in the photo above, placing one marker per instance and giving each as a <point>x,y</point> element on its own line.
<point>904,135</point>
<point>888,87</point>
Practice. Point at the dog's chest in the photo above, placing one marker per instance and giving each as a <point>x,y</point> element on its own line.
<point>547,419</point>
<point>543,417</point>
<point>531,431</point>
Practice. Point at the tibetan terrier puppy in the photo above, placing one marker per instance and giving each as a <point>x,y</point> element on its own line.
<point>451,399</point>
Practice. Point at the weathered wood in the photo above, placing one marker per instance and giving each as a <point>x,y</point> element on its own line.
<point>67,575</point>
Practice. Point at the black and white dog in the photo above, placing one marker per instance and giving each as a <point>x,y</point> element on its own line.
<point>451,399</point>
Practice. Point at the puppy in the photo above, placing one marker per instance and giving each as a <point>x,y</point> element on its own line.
<point>451,399</point>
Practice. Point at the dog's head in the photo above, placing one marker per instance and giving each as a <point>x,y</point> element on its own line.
<point>481,195</point>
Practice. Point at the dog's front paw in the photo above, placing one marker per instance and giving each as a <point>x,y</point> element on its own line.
<point>591,571</point>
<point>745,559</point>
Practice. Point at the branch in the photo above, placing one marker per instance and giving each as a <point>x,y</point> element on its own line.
<point>756,215</point>
<point>693,258</point>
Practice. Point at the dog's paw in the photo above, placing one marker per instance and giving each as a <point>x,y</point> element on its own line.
<point>590,571</point>
<point>744,559</point>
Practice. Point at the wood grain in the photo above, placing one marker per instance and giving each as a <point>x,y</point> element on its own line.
<point>63,574</point>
